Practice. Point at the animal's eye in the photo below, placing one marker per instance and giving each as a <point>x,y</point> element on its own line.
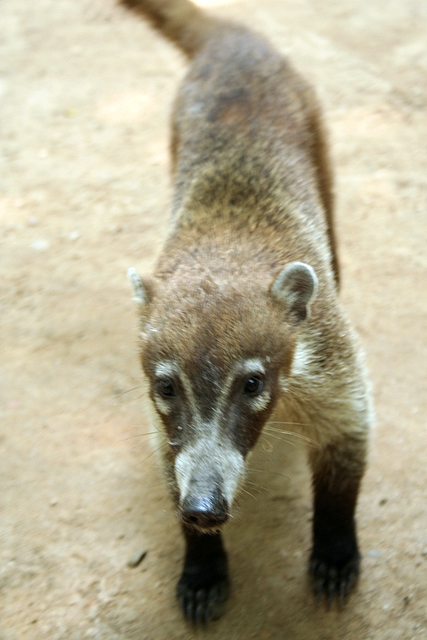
<point>165,388</point>
<point>253,386</point>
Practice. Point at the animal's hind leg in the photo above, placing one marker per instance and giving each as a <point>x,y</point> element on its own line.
<point>337,472</point>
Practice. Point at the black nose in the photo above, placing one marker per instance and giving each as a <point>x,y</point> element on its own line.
<point>205,511</point>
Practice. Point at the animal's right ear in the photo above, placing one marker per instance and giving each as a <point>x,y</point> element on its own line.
<point>142,292</point>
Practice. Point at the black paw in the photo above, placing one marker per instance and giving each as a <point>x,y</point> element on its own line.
<point>334,579</point>
<point>202,597</point>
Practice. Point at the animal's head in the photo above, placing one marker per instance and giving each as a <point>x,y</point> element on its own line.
<point>213,352</point>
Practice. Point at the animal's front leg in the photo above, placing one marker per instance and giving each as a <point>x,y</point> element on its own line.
<point>204,585</point>
<point>335,558</point>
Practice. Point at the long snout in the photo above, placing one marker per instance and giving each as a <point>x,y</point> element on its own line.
<point>207,475</point>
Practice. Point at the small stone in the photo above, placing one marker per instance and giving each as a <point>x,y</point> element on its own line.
<point>424,553</point>
<point>136,559</point>
<point>40,245</point>
<point>53,502</point>
<point>382,502</point>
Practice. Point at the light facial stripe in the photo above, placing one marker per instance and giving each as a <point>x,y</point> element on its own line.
<point>303,357</point>
<point>259,403</point>
<point>186,383</point>
<point>170,369</point>
<point>163,406</point>
<point>252,365</point>
<point>255,366</point>
<point>166,370</point>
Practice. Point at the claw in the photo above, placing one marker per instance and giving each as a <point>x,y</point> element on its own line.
<point>330,594</point>
<point>318,590</point>
<point>182,604</point>
<point>199,617</point>
<point>207,617</point>
<point>189,611</point>
<point>333,582</point>
<point>202,605</point>
<point>342,594</point>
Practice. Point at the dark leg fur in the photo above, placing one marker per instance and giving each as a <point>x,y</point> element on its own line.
<point>335,558</point>
<point>204,585</point>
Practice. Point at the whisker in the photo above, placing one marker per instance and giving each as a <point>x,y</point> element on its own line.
<point>258,487</point>
<point>293,434</point>
<point>298,424</point>
<point>127,400</point>
<point>141,435</point>
<point>272,435</point>
<point>123,393</point>
<point>246,491</point>
<point>266,445</point>
<point>297,396</point>
<point>272,473</point>
<point>154,450</point>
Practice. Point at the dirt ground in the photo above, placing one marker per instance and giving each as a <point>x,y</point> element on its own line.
<point>85,96</point>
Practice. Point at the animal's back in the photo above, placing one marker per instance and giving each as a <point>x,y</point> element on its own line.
<point>242,108</point>
<point>248,146</point>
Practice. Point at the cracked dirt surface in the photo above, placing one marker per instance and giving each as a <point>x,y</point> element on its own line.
<point>85,95</point>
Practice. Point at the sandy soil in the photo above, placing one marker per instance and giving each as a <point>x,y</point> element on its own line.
<point>85,93</point>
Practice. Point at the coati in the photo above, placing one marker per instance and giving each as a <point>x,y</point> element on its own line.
<point>241,316</point>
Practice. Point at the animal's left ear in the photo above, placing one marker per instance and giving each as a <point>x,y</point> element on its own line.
<point>295,287</point>
<point>142,290</point>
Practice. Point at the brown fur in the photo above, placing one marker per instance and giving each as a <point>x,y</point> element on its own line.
<point>253,193</point>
